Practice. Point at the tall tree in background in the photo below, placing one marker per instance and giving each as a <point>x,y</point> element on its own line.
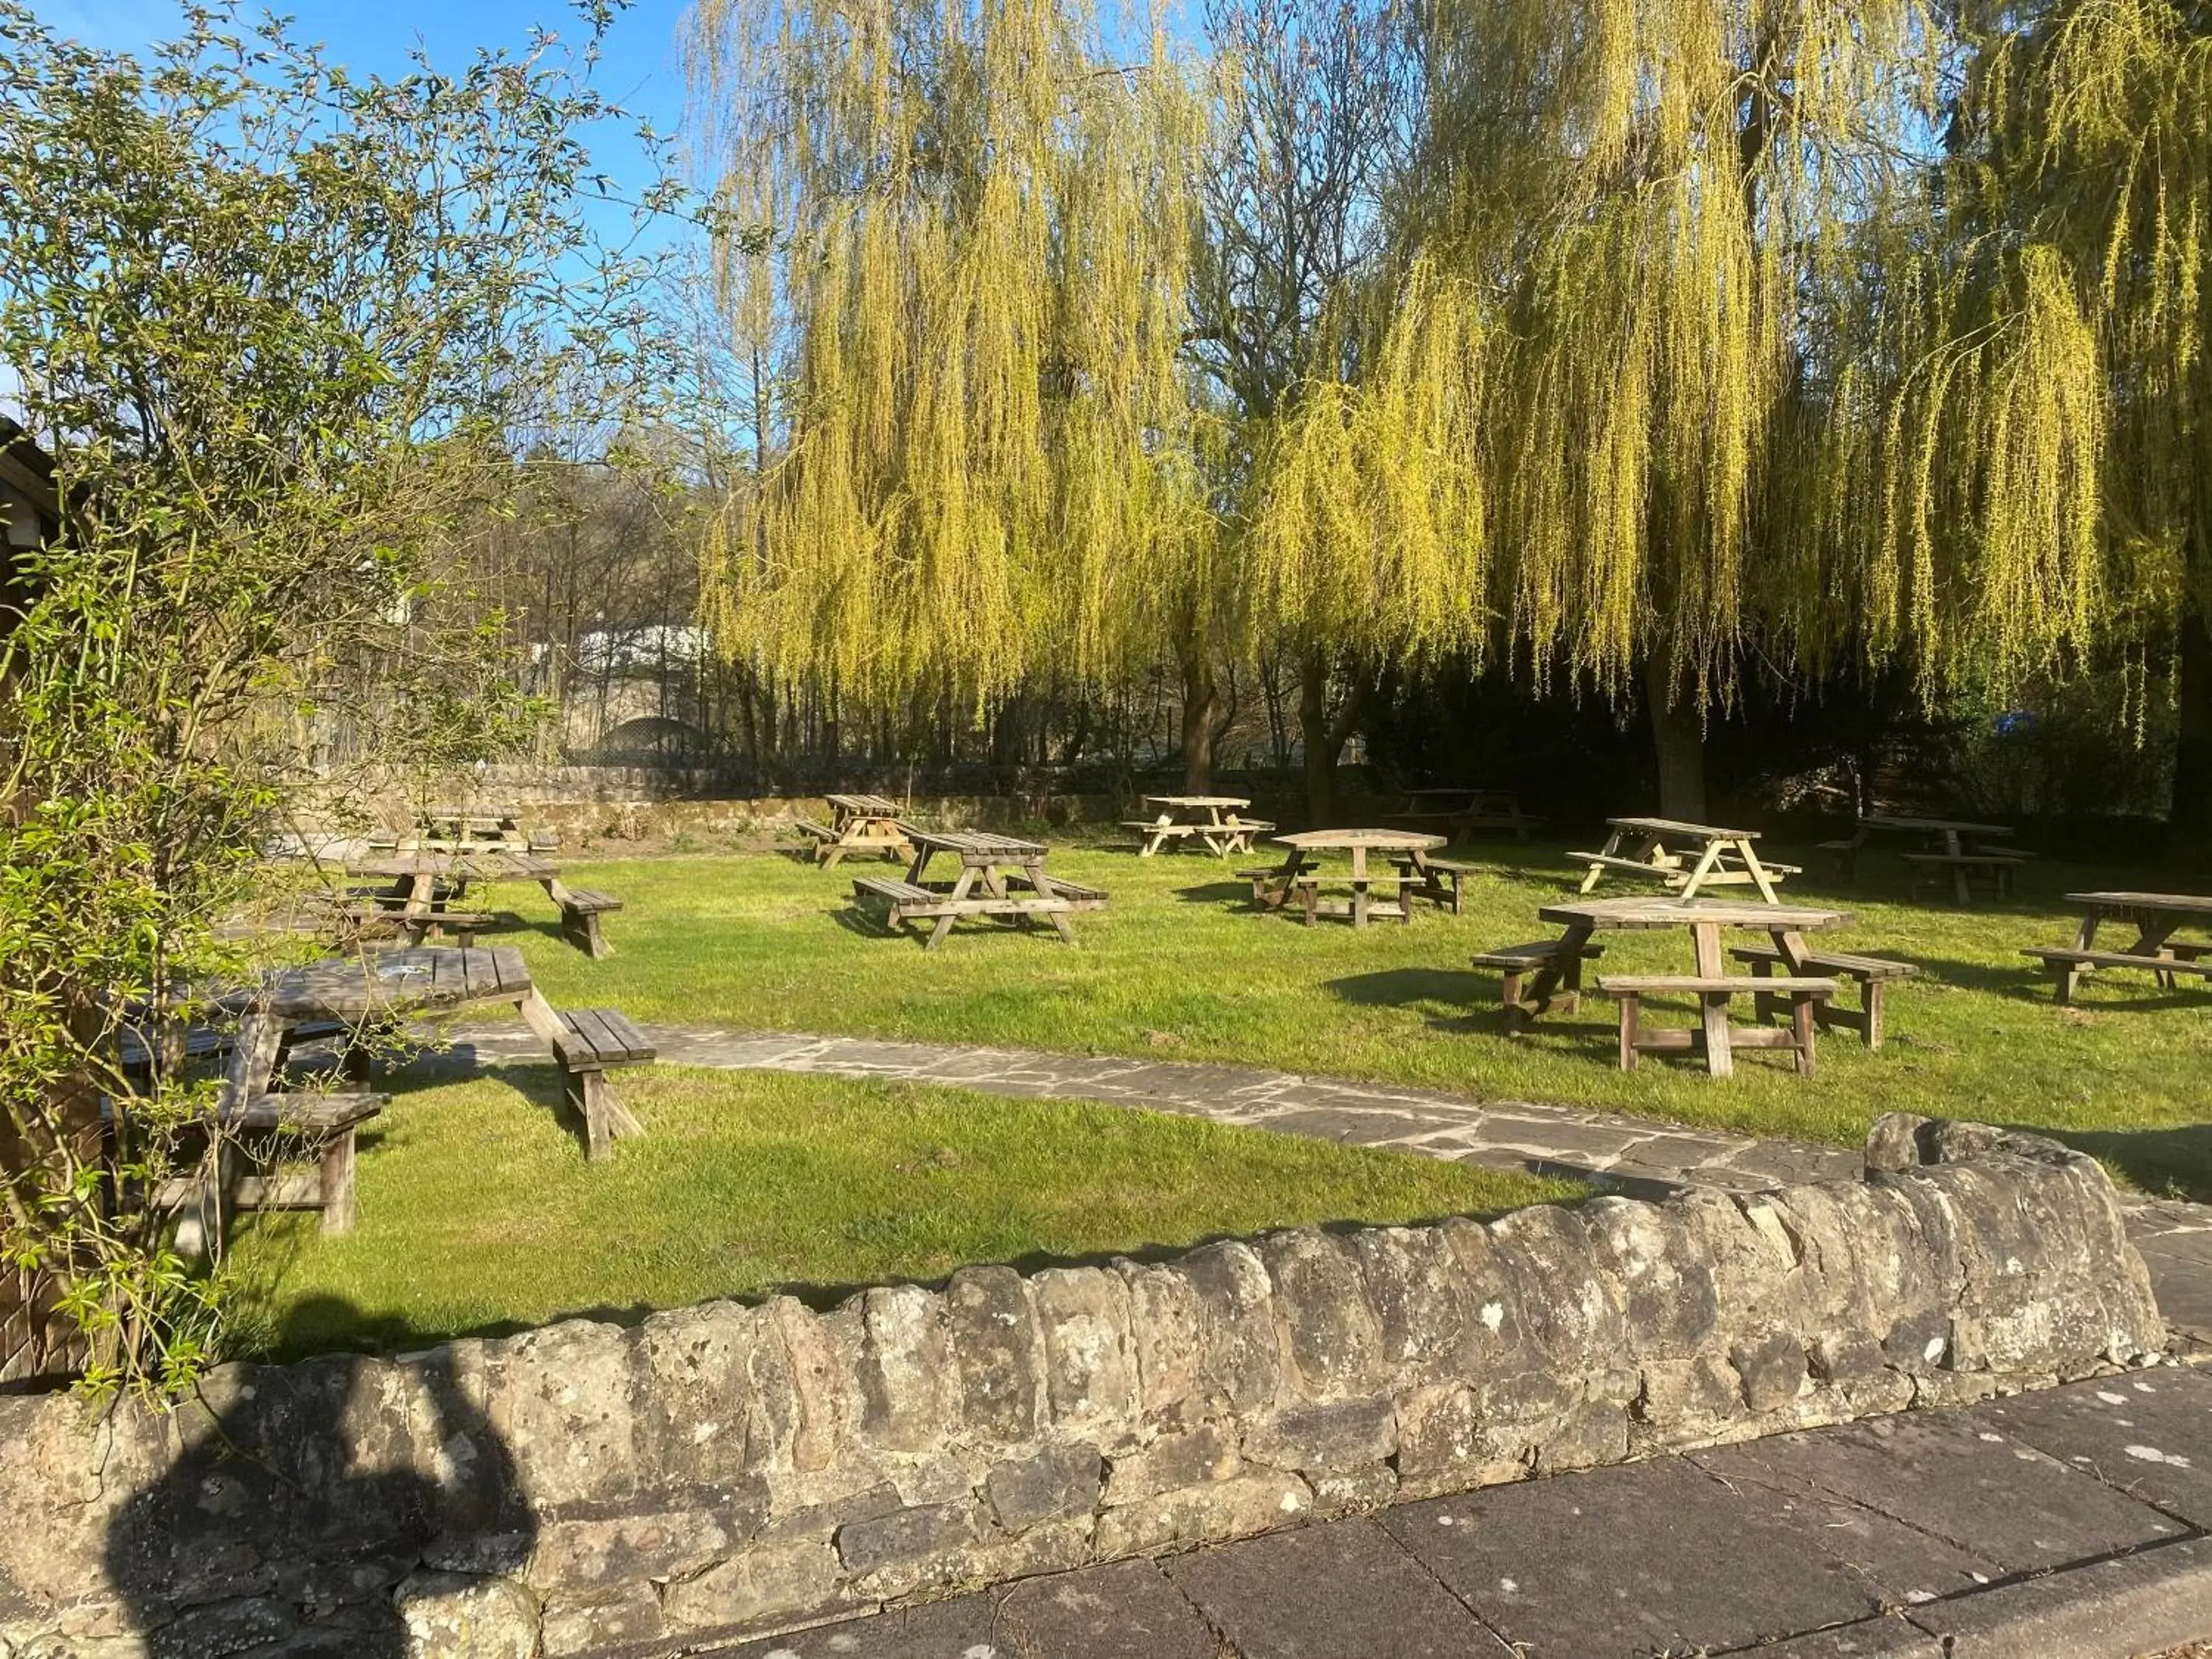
<point>981,215</point>
<point>1636,196</point>
<point>1317,98</point>
<point>2085,158</point>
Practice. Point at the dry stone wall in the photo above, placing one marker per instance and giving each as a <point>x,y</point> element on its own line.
<point>725,1470</point>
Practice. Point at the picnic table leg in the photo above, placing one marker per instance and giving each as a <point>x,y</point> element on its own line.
<point>1707,861</point>
<point>1522,1010</point>
<point>338,1164</point>
<point>1630,1029</point>
<point>1611,849</point>
<point>944,926</point>
<point>1719,1057</point>
<point>1759,879</point>
<point>1801,1028</point>
<point>1359,887</point>
<point>2150,941</point>
<point>1044,887</point>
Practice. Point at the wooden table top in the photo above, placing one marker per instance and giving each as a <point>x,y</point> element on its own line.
<point>976,843</point>
<point>1660,913</point>
<point>474,814</point>
<point>867,806</point>
<point>1343,841</point>
<point>1454,792</point>
<point>475,864</point>
<point>1677,827</point>
<point>2192,905</point>
<point>1196,800</point>
<point>396,981</point>
<point>1931,826</point>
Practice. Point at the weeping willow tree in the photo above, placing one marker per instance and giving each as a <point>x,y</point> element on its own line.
<point>978,218</point>
<point>1633,202</point>
<point>2084,164</point>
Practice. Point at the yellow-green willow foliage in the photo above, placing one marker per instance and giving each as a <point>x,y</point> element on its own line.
<point>1367,536</point>
<point>2103,161</point>
<point>982,226</point>
<point>1633,199</point>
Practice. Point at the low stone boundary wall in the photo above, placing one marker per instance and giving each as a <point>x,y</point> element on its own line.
<point>724,1470</point>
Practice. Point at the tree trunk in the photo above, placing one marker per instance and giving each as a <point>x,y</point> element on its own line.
<point>2191,819</point>
<point>1325,736</point>
<point>1678,738</point>
<point>1201,701</point>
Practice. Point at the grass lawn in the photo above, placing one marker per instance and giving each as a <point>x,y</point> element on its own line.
<point>1178,966</point>
<point>478,1214</point>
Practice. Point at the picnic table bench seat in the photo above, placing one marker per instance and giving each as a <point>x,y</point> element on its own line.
<point>1672,875</point>
<point>1713,991</point>
<point>1517,961</point>
<point>818,832</point>
<point>589,1043</point>
<point>380,920</point>
<point>248,1142</point>
<point>1078,896</point>
<point>1872,975</point>
<point>580,910</point>
<point>1444,875</point>
<point>1963,869</point>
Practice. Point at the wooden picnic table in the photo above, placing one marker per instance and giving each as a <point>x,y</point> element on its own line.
<point>2156,918</point>
<point>1704,920</point>
<point>1464,810</point>
<point>1684,857</point>
<point>427,884</point>
<point>470,829</point>
<point>1212,819</point>
<point>863,824</point>
<point>1946,850</point>
<point>358,992</point>
<point>1415,876</point>
<point>1010,872</point>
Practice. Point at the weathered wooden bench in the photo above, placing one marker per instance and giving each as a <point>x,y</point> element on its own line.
<point>1716,1037</point>
<point>1444,875</point>
<point>1993,870</point>
<point>906,903</point>
<point>2069,964</point>
<point>590,1042</point>
<point>580,910</point>
<point>1518,961</point>
<point>247,1145</point>
<point>1872,975</point>
<point>817,833</point>
<point>1676,874</point>
<point>363,921</point>
<point>1846,855</point>
<point>1079,897</point>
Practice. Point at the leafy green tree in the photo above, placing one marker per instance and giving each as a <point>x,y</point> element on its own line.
<point>279,328</point>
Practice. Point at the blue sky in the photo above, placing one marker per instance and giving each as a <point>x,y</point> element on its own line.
<point>642,68</point>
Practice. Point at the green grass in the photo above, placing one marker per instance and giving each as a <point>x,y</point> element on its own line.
<point>477,1213</point>
<point>1178,967</point>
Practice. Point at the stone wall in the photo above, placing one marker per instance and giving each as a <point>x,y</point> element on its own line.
<point>723,1470</point>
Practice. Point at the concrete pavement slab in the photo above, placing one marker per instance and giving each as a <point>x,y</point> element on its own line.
<point>1969,1486</point>
<point>1647,1556</point>
<point>1339,1591</point>
<point>2148,1433</point>
<point>1125,1611</point>
<point>2113,1609</point>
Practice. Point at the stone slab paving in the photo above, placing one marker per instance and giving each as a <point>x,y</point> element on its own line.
<point>1996,1531</point>
<point>1642,1157</point>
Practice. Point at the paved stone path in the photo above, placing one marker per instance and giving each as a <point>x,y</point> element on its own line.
<point>1640,1156</point>
<point>2066,1523</point>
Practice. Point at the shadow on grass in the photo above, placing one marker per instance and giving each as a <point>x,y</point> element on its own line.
<point>2175,1163</point>
<point>1405,987</point>
<point>2112,990</point>
<point>1236,894</point>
